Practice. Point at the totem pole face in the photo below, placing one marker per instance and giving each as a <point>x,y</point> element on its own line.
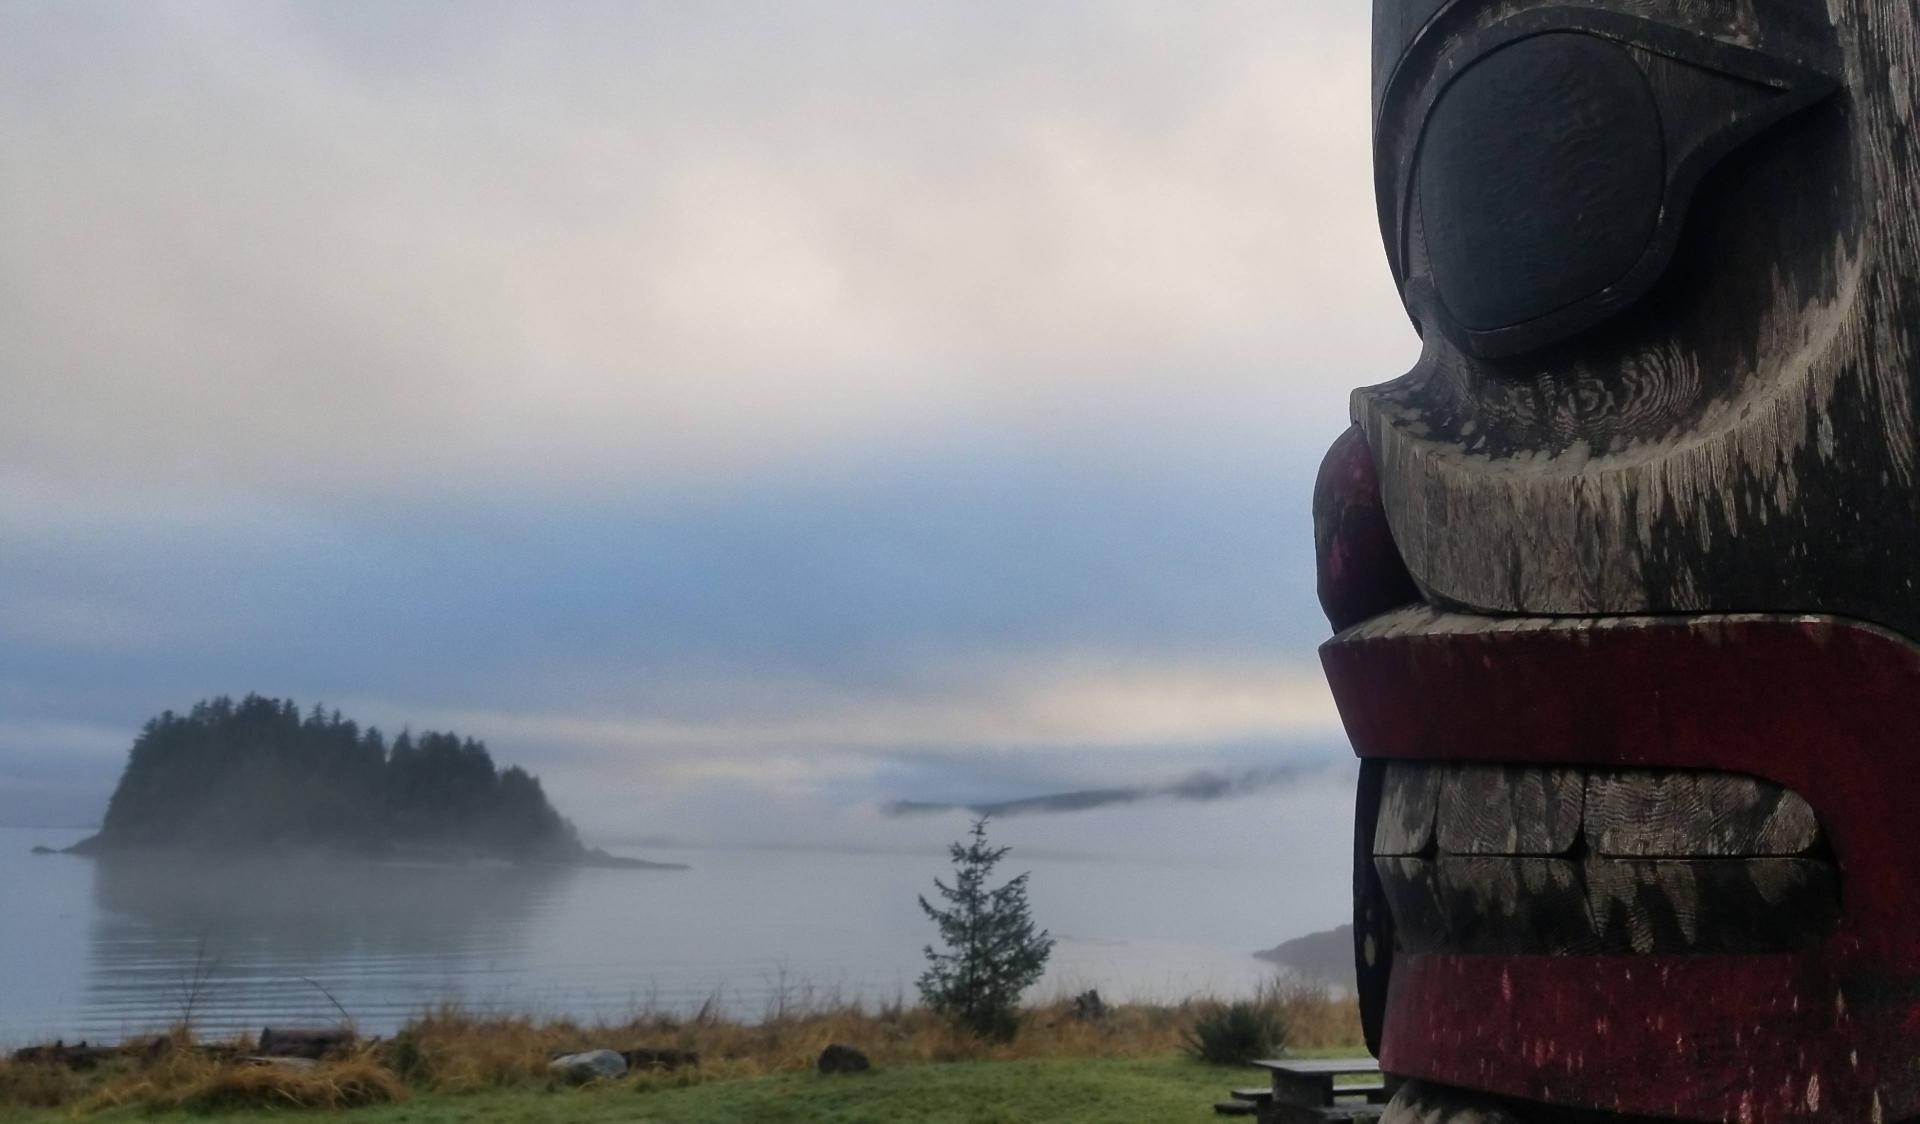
<point>1628,565</point>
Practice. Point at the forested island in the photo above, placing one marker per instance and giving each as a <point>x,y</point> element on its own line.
<point>258,775</point>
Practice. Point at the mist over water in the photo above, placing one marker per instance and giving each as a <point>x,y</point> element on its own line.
<point>108,948</point>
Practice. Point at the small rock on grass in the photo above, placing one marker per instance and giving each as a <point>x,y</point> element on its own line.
<point>842,1058</point>
<point>593,1065</point>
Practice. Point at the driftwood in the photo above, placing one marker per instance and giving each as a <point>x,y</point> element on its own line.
<point>79,1055</point>
<point>660,1057</point>
<point>305,1042</point>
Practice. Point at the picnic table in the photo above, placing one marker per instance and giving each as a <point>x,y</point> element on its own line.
<point>1311,1091</point>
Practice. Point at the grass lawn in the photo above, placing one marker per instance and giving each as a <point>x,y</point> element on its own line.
<point>1056,1091</point>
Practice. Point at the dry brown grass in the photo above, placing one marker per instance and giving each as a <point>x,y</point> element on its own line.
<point>206,1081</point>
<point>37,1086</point>
<point>452,1051</point>
<point>346,1083</point>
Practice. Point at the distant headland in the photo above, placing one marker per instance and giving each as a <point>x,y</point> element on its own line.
<point>257,775</point>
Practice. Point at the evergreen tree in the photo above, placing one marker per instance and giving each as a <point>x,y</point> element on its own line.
<point>992,952</point>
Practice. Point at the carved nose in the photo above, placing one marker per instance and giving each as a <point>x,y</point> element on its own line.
<point>1361,573</point>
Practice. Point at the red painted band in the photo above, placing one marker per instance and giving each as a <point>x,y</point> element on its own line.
<point>1828,708</point>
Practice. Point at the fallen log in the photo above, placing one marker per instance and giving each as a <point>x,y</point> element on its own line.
<point>660,1058</point>
<point>76,1056</point>
<point>305,1042</point>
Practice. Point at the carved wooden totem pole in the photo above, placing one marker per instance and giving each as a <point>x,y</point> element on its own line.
<point>1627,568</point>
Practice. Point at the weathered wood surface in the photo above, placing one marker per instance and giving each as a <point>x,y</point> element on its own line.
<point>1530,860</point>
<point>1727,906</point>
<point>1411,887</point>
<point>1509,810</point>
<point>77,1056</point>
<point>1486,809</point>
<point>1823,707</point>
<point>1713,447</point>
<point>81,1055</point>
<point>1418,1103</point>
<point>1320,1067</point>
<point>1675,813</point>
<point>1373,932</point>
<point>1651,385</point>
<point>1409,800</point>
<point>1503,904</point>
<point>1358,571</point>
<point>660,1057</point>
<point>1314,1083</point>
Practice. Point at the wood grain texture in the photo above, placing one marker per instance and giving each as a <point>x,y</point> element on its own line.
<point>1373,924</point>
<point>1411,887</point>
<point>1823,1034</point>
<point>1713,448</point>
<point>1522,906</point>
<point>1674,813</point>
<point>1409,800</point>
<point>1722,907</point>
<point>1357,568</point>
<point>1509,810</point>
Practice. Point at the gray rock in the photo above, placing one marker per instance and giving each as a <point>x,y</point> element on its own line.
<point>593,1065</point>
<point>841,1058</point>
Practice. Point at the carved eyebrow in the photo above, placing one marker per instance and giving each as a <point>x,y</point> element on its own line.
<point>1702,98</point>
<point>1796,30</point>
<point>1796,79</point>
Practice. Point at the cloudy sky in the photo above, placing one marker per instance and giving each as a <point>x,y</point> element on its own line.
<point>739,413</point>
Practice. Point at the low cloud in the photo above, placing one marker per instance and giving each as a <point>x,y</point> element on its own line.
<point>911,398</point>
<point>1032,705</point>
<point>339,251</point>
<point>1202,788</point>
<point>1060,724</point>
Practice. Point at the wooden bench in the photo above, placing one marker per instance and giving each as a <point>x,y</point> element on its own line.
<point>1309,1091</point>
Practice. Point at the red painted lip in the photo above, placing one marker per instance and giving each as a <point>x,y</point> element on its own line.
<point>1826,707</point>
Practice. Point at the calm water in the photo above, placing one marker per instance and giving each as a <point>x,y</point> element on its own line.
<point>107,949</point>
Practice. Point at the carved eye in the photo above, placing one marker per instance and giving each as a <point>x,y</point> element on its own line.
<point>1554,166</point>
<point>1541,179</point>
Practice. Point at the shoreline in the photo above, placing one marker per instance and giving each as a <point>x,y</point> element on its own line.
<point>589,858</point>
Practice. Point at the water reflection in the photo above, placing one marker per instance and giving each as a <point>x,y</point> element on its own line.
<point>235,943</point>
<point>107,948</point>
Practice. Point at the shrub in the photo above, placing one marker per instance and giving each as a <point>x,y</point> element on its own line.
<point>1237,1033</point>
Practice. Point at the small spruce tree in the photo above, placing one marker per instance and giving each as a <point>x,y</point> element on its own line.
<point>992,952</point>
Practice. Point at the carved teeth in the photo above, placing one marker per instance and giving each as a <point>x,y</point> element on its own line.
<point>1484,858</point>
<point>1677,814</point>
<point>1408,797</point>
<point>1509,810</point>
